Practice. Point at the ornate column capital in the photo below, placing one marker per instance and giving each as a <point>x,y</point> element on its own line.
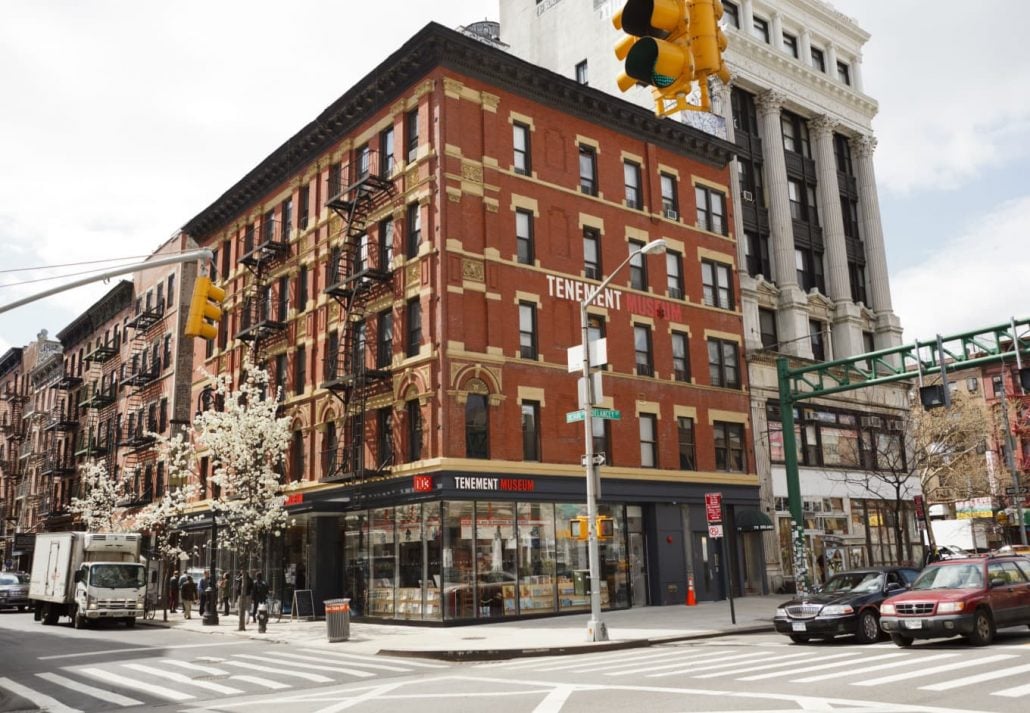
<point>822,125</point>
<point>863,146</point>
<point>769,102</point>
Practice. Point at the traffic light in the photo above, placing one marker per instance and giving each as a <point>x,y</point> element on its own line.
<point>605,527</point>
<point>707,41</point>
<point>578,528</point>
<point>656,47</point>
<point>205,309</point>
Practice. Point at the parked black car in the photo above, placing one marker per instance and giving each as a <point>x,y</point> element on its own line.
<point>847,604</point>
<point>14,590</point>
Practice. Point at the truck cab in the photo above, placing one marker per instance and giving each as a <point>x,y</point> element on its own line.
<point>109,590</point>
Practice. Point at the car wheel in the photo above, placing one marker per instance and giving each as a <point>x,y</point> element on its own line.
<point>983,629</point>
<point>901,640</point>
<point>799,638</point>
<point>130,622</point>
<point>868,631</point>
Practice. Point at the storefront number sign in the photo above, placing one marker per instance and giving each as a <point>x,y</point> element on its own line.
<point>422,483</point>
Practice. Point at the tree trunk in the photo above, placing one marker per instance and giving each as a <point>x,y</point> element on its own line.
<point>244,608</point>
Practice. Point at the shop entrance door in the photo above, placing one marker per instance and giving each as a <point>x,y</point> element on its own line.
<point>707,576</point>
<point>638,569</point>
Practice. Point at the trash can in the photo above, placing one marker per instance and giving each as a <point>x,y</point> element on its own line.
<point>337,619</point>
<point>581,581</point>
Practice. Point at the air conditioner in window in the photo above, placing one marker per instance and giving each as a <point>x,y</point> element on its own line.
<point>896,426</point>
<point>748,196</point>
<point>672,214</point>
<point>871,421</point>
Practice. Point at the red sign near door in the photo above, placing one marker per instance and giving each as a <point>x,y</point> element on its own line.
<point>713,507</point>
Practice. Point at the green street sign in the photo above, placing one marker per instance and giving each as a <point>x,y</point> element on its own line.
<point>573,416</point>
<point>607,413</point>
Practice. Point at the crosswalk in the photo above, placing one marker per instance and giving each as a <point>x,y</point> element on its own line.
<point>158,680</point>
<point>867,666</point>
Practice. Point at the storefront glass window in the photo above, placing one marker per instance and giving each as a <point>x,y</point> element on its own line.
<point>536,558</point>
<point>431,539</point>
<point>496,551</point>
<point>355,557</point>
<point>409,561</point>
<point>573,564</point>
<point>614,574</point>
<point>456,560</point>
<point>383,551</point>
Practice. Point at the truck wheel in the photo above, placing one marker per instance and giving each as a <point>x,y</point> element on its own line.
<point>130,622</point>
<point>50,615</point>
<point>78,620</point>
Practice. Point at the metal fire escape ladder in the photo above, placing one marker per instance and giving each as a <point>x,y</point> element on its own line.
<point>260,321</point>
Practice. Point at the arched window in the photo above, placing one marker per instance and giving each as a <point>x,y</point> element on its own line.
<point>413,413</point>
<point>477,436</point>
<point>297,457</point>
<point>329,455</point>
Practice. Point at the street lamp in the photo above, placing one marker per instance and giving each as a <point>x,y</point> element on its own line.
<point>596,630</point>
<point>210,614</point>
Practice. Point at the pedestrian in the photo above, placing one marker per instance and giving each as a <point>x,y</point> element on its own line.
<point>260,594</point>
<point>244,588</point>
<point>202,587</point>
<point>173,592</point>
<point>188,594</point>
<point>226,592</point>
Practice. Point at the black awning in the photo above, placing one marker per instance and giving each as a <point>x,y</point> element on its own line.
<point>750,520</point>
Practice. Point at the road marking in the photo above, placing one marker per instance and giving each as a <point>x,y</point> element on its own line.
<point>798,658</point>
<point>679,663</point>
<point>932,669</point>
<point>333,669</point>
<point>821,666</point>
<point>41,700</point>
<point>384,667</point>
<point>387,659</point>
<point>678,668</point>
<point>978,678</point>
<point>624,660</point>
<point>1017,692</point>
<point>868,669</point>
<point>159,691</point>
<point>137,649</point>
<point>268,669</point>
<point>195,667</point>
<point>274,685</point>
<point>554,700</point>
<point>183,678</point>
<point>102,694</point>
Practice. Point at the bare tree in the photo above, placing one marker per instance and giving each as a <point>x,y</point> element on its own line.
<point>947,448</point>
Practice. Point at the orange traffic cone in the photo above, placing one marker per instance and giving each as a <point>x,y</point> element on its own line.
<point>691,597</point>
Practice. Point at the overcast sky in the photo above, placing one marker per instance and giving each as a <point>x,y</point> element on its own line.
<point>122,120</point>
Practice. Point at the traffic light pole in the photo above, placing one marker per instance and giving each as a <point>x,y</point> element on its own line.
<point>202,254</point>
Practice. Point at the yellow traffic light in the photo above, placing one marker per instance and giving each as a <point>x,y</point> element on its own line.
<point>578,529</point>
<point>656,48</point>
<point>707,41</point>
<point>205,309</point>
<point>605,527</point>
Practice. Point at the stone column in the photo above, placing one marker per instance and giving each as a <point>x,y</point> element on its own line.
<point>791,316</point>
<point>831,61</point>
<point>856,73</point>
<point>888,327</point>
<point>747,17</point>
<point>776,31</point>
<point>806,47</point>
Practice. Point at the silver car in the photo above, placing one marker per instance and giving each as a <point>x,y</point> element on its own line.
<point>14,591</point>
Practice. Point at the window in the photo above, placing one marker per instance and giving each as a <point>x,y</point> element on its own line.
<point>760,29</point>
<point>767,328</point>
<point>226,259</point>
<point>716,285</point>
<point>162,422</point>
<point>171,289</point>
<point>685,436</point>
<point>411,133</point>
<point>280,375</point>
<point>637,266</point>
<point>414,321</point>
<point>729,446</point>
<point>592,253</point>
<point>680,356</point>
<point>413,417</point>
<point>304,207</point>
<point>856,274</point>
<point>284,297</point>
<point>414,230</point>
<point>330,455</point>
<point>674,274</point>
<point>385,233</point>
<point>815,332</point>
<point>868,342</point>
<point>844,73</point>
<point>527,330</point>
<point>602,438</point>
<point>711,210</point>
<point>363,158</point>
<point>531,431</point>
<point>809,266</point>
<point>520,139</point>
<point>167,357</point>
<point>386,160</point>
<point>731,14</point>
<point>286,214</point>
<point>384,346</point>
<point>477,437</point>
<point>723,369</point>
<point>818,60</point>
<point>670,202</point>
<point>384,435</point>
<point>642,349</point>
<point>587,170</point>
<point>302,288</point>
<point>300,370</point>
<point>297,457</point>
<point>524,236</point>
<point>756,250</point>
<point>795,134</point>
<point>581,72</point>
<point>842,153</point>
<point>648,440</point>
<point>795,195</point>
<point>631,177</point>
<point>790,45</point>
<point>335,179</point>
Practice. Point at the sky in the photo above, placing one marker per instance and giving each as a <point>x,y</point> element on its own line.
<point>123,119</point>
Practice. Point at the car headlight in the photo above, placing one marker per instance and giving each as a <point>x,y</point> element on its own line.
<point>887,609</point>
<point>949,607</point>
<point>781,613</point>
<point>837,610</point>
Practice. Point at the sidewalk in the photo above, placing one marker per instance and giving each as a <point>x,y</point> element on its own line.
<point>630,628</point>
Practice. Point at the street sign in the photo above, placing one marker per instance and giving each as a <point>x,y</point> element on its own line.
<point>713,508</point>
<point>598,394</point>
<point>1013,490</point>
<point>715,531</point>
<point>598,355</point>
<point>917,501</point>
<point>599,459</point>
<point>573,416</point>
<point>609,414</point>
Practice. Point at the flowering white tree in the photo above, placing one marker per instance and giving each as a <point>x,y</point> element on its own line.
<point>165,516</point>
<point>99,509</point>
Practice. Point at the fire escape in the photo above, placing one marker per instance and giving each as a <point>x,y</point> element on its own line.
<point>358,357</point>
<point>141,376</point>
<point>97,405</point>
<point>59,427</point>
<point>12,430</point>
<point>262,320</point>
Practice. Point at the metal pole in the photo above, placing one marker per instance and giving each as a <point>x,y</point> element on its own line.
<point>1010,458</point>
<point>211,615</point>
<point>790,465</point>
<point>596,630</point>
<point>125,269</point>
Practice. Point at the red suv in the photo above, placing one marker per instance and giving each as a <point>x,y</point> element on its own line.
<point>971,597</point>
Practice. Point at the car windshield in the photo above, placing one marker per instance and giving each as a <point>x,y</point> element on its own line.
<point>14,578</point>
<point>854,582</point>
<point>950,576</point>
<point>118,576</point>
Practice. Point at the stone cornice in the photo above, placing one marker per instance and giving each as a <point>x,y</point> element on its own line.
<point>437,46</point>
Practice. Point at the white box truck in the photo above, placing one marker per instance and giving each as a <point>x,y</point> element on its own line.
<point>87,576</point>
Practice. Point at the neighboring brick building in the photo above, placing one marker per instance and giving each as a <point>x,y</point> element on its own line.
<point>408,266</point>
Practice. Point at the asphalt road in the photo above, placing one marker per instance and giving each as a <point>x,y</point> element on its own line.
<point>113,668</point>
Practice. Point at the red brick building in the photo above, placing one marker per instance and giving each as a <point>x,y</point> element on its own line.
<point>409,268</point>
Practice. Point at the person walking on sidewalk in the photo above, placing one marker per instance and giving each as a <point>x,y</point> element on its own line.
<point>188,594</point>
<point>202,586</point>
<point>260,594</point>
<point>173,592</point>
<point>226,592</point>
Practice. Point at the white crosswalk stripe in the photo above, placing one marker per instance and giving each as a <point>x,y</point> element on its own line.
<point>100,693</point>
<point>362,663</point>
<point>278,659</point>
<point>182,678</point>
<point>869,669</point>
<point>251,666</point>
<point>126,682</point>
<point>850,660</point>
<point>922,672</point>
<point>384,659</point>
<point>780,662</point>
<point>724,662</point>
<point>977,678</point>
<point>679,663</point>
<point>42,701</point>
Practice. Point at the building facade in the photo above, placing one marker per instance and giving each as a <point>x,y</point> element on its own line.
<point>409,268</point>
<point>810,261</point>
